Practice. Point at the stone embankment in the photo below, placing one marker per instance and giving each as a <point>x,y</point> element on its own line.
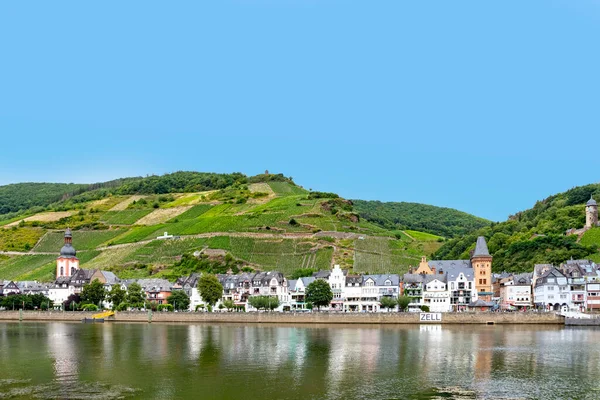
<point>294,318</point>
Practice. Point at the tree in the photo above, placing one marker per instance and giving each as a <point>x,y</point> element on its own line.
<point>116,296</point>
<point>72,302</point>
<point>179,300</point>
<point>135,295</point>
<point>229,304</point>
<point>210,289</point>
<point>319,293</point>
<point>264,302</point>
<point>93,293</point>
<point>403,302</point>
<point>388,302</point>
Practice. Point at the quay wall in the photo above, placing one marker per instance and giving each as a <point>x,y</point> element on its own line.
<point>293,318</point>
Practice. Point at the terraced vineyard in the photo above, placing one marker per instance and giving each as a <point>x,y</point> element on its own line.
<point>268,226</point>
<point>86,240</point>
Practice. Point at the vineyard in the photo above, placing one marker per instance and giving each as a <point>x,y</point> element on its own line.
<point>125,217</point>
<point>84,240</point>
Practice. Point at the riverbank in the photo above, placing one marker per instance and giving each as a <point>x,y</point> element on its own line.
<point>485,318</point>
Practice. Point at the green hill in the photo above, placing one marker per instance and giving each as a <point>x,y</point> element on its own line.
<point>439,221</point>
<point>236,222</point>
<point>536,235</point>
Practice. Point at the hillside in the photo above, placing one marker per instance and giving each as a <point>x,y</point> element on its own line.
<point>536,235</point>
<point>229,221</point>
<point>439,221</point>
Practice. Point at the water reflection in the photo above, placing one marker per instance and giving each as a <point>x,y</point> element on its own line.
<point>226,361</point>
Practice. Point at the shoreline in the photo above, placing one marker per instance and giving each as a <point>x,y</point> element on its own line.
<point>315,318</point>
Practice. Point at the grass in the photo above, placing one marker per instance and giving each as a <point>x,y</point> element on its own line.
<point>423,236</point>
<point>591,237</point>
<point>110,257</point>
<point>193,212</point>
<point>285,189</point>
<point>124,217</point>
<point>14,267</point>
<point>137,234</point>
<point>162,215</point>
<point>19,239</point>
<point>82,240</point>
<point>165,251</point>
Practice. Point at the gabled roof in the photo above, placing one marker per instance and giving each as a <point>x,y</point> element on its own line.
<point>380,279</point>
<point>480,303</point>
<point>481,249</point>
<point>444,265</point>
<point>292,285</point>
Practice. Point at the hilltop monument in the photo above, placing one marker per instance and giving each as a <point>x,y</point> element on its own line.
<point>591,218</point>
<point>67,263</point>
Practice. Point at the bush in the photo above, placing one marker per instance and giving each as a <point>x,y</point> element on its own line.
<point>122,307</point>
<point>209,308</point>
<point>425,308</point>
<point>164,307</point>
<point>293,222</point>
<point>199,307</point>
<point>89,307</point>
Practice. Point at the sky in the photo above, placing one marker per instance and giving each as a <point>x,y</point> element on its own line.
<point>482,106</point>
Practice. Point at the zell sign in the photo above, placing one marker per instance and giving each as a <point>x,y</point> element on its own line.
<point>430,317</point>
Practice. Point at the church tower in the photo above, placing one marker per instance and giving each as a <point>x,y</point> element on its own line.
<point>591,213</point>
<point>67,264</point>
<point>481,261</point>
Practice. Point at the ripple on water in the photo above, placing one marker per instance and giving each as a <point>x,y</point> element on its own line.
<point>76,390</point>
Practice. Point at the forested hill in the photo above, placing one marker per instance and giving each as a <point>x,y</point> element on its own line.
<point>536,235</point>
<point>21,197</point>
<point>439,221</point>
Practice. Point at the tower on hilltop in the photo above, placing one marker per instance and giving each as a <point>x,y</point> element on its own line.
<point>481,261</point>
<point>67,263</point>
<point>591,213</point>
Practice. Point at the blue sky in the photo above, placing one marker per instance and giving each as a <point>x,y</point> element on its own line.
<point>483,106</point>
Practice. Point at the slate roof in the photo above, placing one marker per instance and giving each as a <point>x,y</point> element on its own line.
<point>155,285</point>
<point>380,279</point>
<point>453,273</point>
<point>591,202</point>
<point>324,274</point>
<point>307,280</point>
<point>443,265</point>
<point>480,303</point>
<point>110,277</point>
<point>523,279</point>
<point>292,285</point>
<point>481,249</point>
<point>413,278</point>
<point>353,280</point>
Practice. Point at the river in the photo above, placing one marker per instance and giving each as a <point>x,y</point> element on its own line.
<point>162,361</point>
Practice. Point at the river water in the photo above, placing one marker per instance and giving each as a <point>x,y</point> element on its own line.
<point>162,361</point>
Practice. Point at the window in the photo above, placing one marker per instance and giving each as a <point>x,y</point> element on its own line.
<point>62,271</point>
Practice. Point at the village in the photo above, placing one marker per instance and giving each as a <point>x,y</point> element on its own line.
<point>434,285</point>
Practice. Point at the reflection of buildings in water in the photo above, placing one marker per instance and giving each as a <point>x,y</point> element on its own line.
<point>63,349</point>
<point>370,340</point>
<point>108,344</point>
<point>484,352</point>
<point>154,343</point>
<point>194,341</point>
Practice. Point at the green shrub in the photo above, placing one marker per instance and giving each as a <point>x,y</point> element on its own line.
<point>165,307</point>
<point>89,307</point>
<point>122,307</point>
<point>199,307</point>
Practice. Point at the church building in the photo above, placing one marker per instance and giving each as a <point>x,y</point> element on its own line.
<point>67,263</point>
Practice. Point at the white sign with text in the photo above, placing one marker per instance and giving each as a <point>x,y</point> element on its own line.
<point>430,317</point>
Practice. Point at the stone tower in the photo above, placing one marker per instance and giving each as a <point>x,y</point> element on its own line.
<point>591,213</point>
<point>67,263</point>
<point>481,261</point>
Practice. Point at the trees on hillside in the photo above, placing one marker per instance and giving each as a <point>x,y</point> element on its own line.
<point>319,293</point>
<point>210,289</point>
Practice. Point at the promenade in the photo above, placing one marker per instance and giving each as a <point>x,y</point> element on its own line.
<point>483,318</point>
